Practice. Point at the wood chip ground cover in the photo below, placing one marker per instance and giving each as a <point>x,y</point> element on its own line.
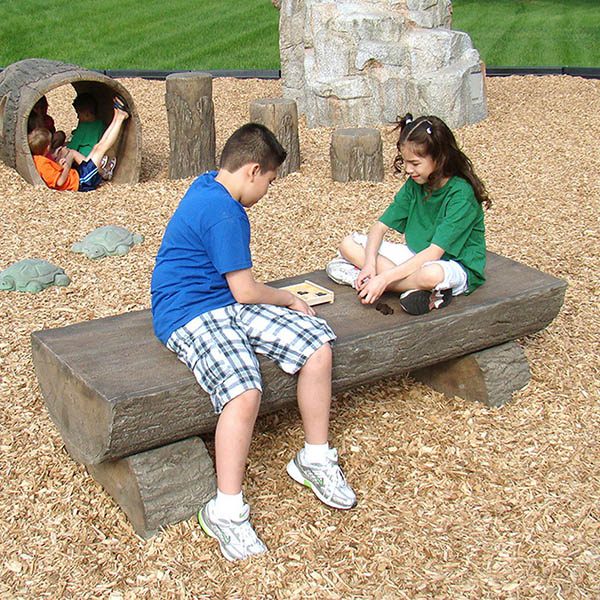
<point>455,500</point>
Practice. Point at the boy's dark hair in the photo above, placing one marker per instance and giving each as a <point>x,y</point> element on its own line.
<point>39,139</point>
<point>252,143</point>
<point>85,101</point>
<point>430,136</point>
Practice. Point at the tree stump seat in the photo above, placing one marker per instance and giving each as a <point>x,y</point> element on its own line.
<point>132,413</point>
<point>356,154</point>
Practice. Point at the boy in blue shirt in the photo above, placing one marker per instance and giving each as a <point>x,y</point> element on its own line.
<point>208,309</point>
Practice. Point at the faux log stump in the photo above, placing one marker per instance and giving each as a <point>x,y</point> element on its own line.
<point>280,115</point>
<point>489,376</point>
<point>160,486</point>
<point>356,155</point>
<point>23,83</point>
<point>191,116</point>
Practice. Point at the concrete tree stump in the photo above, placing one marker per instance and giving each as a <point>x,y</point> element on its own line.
<point>356,154</point>
<point>280,115</point>
<point>159,487</point>
<point>489,376</point>
<point>23,83</point>
<point>190,112</point>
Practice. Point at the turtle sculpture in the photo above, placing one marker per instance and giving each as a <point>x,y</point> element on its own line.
<point>108,240</point>
<point>32,275</point>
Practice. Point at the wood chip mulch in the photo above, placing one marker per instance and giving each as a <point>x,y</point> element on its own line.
<point>455,500</point>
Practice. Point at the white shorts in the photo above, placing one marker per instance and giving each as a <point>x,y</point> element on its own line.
<point>455,277</point>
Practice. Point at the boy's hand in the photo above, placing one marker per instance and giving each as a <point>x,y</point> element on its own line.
<point>65,156</point>
<point>301,306</point>
<point>372,290</point>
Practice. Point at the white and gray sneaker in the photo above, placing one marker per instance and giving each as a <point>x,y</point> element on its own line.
<point>342,271</point>
<point>326,480</point>
<point>237,538</point>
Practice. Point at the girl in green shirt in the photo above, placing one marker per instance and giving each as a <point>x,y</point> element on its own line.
<point>439,211</point>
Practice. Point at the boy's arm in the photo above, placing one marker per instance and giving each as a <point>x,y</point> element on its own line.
<point>66,163</point>
<point>246,290</point>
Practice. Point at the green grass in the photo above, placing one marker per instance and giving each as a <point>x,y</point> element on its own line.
<point>532,32</point>
<point>243,34</point>
<point>142,34</point>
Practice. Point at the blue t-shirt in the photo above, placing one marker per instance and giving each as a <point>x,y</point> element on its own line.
<point>207,236</point>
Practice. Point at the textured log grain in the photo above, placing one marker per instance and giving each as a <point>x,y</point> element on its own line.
<point>23,83</point>
<point>190,112</point>
<point>113,389</point>
<point>160,486</point>
<point>356,154</point>
<point>489,376</point>
<point>280,115</point>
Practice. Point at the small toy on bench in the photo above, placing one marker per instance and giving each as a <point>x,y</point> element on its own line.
<point>311,293</point>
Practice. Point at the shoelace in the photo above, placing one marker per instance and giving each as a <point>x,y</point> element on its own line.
<point>333,476</point>
<point>245,533</point>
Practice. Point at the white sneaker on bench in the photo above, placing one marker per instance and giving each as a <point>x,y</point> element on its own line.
<point>342,271</point>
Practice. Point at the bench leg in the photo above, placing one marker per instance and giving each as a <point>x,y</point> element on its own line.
<point>161,486</point>
<point>489,376</point>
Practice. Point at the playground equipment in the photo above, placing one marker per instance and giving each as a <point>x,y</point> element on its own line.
<point>23,83</point>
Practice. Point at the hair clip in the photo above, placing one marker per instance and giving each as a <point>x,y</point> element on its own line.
<point>428,130</point>
<point>408,118</point>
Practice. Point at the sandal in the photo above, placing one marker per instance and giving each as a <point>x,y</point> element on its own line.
<point>120,104</point>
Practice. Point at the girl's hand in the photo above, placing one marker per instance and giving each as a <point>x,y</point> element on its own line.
<point>364,276</point>
<point>373,289</point>
<point>301,306</point>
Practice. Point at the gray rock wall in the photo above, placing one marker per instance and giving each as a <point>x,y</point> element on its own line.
<point>355,63</point>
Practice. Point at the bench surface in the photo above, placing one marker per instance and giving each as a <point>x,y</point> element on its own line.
<point>113,389</point>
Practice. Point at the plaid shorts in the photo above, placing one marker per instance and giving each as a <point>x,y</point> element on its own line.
<point>220,346</point>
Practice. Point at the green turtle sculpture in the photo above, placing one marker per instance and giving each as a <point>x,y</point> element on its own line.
<point>108,240</point>
<point>32,275</point>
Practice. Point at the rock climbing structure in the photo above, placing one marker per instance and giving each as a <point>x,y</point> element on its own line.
<point>350,63</point>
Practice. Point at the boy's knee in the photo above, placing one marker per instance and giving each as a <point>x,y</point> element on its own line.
<point>246,404</point>
<point>321,359</point>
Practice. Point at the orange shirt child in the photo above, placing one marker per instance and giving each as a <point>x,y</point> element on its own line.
<point>50,171</point>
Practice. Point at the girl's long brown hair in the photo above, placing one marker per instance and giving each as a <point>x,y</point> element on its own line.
<point>430,136</point>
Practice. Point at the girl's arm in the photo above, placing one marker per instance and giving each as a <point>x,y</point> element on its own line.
<point>377,285</point>
<point>246,290</point>
<point>374,239</point>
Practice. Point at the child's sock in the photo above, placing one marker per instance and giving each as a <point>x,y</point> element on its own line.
<point>316,453</point>
<point>228,506</point>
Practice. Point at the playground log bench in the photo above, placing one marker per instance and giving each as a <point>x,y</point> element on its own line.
<point>133,414</point>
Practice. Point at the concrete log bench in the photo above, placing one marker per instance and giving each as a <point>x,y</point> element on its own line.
<point>132,413</point>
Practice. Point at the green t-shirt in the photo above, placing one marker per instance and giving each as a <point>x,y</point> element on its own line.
<point>450,218</point>
<point>86,135</point>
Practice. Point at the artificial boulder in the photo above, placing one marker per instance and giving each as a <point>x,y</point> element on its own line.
<point>352,63</point>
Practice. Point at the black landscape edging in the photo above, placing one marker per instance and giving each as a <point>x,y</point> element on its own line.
<point>585,72</point>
